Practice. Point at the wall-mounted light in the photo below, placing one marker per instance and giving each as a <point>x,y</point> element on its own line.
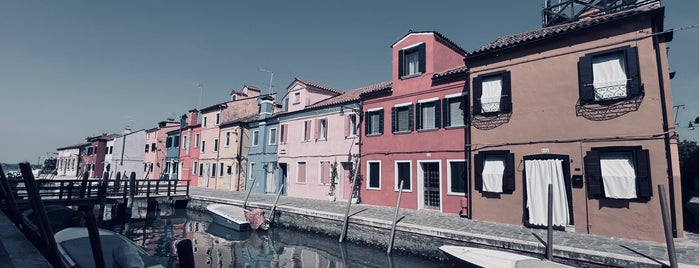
<point>342,110</point>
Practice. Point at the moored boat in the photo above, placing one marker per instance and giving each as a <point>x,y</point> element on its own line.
<point>238,218</point>
<point>479,257</point>
<point>117,250</point>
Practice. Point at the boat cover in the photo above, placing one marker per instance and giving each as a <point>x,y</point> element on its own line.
<point>255,217</point>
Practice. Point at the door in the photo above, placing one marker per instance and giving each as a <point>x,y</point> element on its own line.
<point>269,182</point>
<point>539,173</point>
<point>346,180</point>
<point>430,185</point>
<point>283,177</point>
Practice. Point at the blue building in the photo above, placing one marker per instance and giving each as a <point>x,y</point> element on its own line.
<point>172,155</point>
<point>264,175</point>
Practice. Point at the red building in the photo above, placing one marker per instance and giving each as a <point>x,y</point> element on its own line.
<point>93,160</point>
<point>415,132</point>
<point>189,154</point>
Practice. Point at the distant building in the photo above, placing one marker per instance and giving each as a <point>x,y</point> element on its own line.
<point>68,159</point>
<point>189,149</point>
<point>93,161</point>
<point>128,154</point>
<point>263,138</point>
<point>154,157</point>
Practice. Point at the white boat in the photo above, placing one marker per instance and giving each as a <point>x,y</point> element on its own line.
<point>479,257</point>
<point>117,250</point>
<point>237,218</point>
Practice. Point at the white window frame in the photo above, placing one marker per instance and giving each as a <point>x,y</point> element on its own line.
<point>273,139</point>
<point>449,161</point>
<point>297,98</point>
<point>195,167</point>
<point>303,131</point>
<point>298,169</point>
<point>323,128</point>
<point>203,146</point>
<point>396,178</point>
<point>368,172</point>
<point>353,125</point>
<point>218,118</point>
<point>216,144</point>
<point>447,99</point>
<point>203,125</point>
<point>401,105</point>
<point>423,101</point>
<point>251,171</point>
<point>369,113</point>
<point>420,182</point>
<point>197,139</point>
<point>228,139</point>
<point>255,138</point>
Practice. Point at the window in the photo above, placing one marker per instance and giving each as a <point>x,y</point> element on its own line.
<point>284,131</point>
<point>152,147</point>
<point>321,129</point>
<point>213,170</point>
<point>203,146</point>
<point>150,167</point>
<point>457,177</point>
<point>201,169</point>
<point>194,167</point>
<point>204,123</point>
<point>147,145</point>
<point>145,167</point>
<point>196,140</point>
<point>272,136</point>
<point>351,125</point>
<point>301,178</point>
<point>374,172</point>
<point>454,107</point>
<point>176,141</point>
<point>492,93</point>
<point>609,75</point>
<point>297,97</point>
<point>428,114</point>
<point>402,118</point>
<point>215,145</point>
<point>218,118</point>
<point>185,142</point>
<point>220,169</point>
<point>255,137</point>
<point>110,149</point>
<point>403,173</point>
<point>306,130</point>
<point>168,142</point>
<point>495,171</point>
<point>324,172</point>
<point>411,61</point>
<point>228,138</point>
<point>618,172</point>
<point>373,122</point>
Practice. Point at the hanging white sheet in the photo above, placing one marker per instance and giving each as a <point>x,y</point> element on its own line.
<point>541,173</point>
<point>609,76</point>
<point>492,91</point>
<point>618,175</point>
<point>493,170</point>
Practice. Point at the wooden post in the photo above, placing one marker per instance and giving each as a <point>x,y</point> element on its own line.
<point>40,214</point>
<point>667,228</point>
<point>549,231</point>
<point>245,204</point>
<point>185,255</point>
<point>10,198</point>
<point>349,203</point>
<point>132,189</point>
<point>83,184</point>
<point>94,235</point>
<point>276,200</point>
<point>395,219</point>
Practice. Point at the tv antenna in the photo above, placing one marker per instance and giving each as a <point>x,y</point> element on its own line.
<point>271,77</point>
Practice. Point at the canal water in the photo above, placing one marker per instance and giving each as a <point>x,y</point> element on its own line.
<point>218,247</point>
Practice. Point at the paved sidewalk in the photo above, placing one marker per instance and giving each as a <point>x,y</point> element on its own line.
<point>566,244</point>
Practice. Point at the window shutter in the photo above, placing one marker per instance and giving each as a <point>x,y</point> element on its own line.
<point>418,115</point>
<point>366,123</point>
<point>317,129</point>
<point>508,183</point>
<point>585,78</point>
<point>421,57</point>
<point>644,187</point>
<point>381,122</point>
<point>410,117</point>
<point>593,171</point>
<point>479,160</point>
<point>283,135</point>
<point>506,93</point>
<point>401,63</point>
<point>394,120</point>
<point>477,92</point>
<point>633,73</point>
<point>447,114</point>
<point>347,125</point>
<point>437,114</point>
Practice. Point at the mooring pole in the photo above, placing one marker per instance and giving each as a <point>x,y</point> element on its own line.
<point>349,203</point>
<point>185,255</point>
<point>94,235</point>
<point>10,198</point>
<point>666,224</point>
<point>276,200</point>
<point>395,219</point>
<point>245,204</point>
<point>549,231</point>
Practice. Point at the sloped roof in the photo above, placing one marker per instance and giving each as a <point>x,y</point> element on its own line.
<point>316,85</point>
<point>453,71</point>
<point>74,146</point>
<point>437,34</point>
<point>352,95</point>
<point>506,41</point>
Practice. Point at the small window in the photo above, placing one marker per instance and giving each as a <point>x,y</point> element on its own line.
<point>324,172</point>
<point>201,169</point>
<point>218,118</point>
<point>609,75</point>
<point>297,97</point>
<point>411,61</point>
<point>203,146</point>
<point>494,172</point>
<point>220,169</point>
<point>374,178</point>
<point>428,115</point>
<point>306,130</point>
<point>213,170</point>
<point>147,145</point>
<point>618,172</point>
<point>176,141</point>
<point>272,136</point>
<point>322,129</point>
<point>228,138</point>
<point>351,125</point>
<point>301,172</point>
<point>255,137</point>
<point>185,141</point>
<point>168,142</point>
<point>492,93</point>
<point>454,108</point>
<point>284,131</point>
<point>194,167</point>
<point>152,147</point>
<point>457,177</point>
<point>196,140</point>
<point>204,123</point>
<point>215,145</point>
<point>403,173</point>
<point>374,122</point>
<point>402,118</point>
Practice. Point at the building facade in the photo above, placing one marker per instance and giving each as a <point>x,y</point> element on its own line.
<point>189,153</point>
<point>263,132</point>
<point>128,154</point>
<point>68,160</point>
<point>155,151</point>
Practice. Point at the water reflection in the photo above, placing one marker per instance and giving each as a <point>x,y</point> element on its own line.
<point>217,246</point>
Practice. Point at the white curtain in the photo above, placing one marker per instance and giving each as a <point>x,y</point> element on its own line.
<point>492,90</point>
<point>541,173</point>
<point>456,113</point>
<point>618,175</point>
<point>412,59</point>
<point>493,170</point>
<point>609,76</point>
<point>428,115</point>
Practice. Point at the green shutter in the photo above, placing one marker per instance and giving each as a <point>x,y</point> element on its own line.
<point>418,116</point>
<point>644,187</point>
<point>421,58</point>
<point>585,78</point>
<point>508,183</point>
<point>410,117</point>
<point>479,161</point>
<point>477,93</point>
<point>593,172</point>
<point>367,119</point>
<point>401,63</point>
<point>437,114</point>
<point>633,73</point>
<point>381,122</point>
<point>446,112</point>
<point>394,120</point>
<point>506,93</point>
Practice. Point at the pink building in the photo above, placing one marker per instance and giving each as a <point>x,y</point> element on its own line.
<point>154,158</point>
<point>189,156</point>
<point>415,133</point>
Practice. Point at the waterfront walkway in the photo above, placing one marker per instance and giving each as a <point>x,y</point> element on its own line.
<point>581,248</point>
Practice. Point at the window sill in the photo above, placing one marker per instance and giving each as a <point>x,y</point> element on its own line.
<point>405,191</point>
<point>402,132</point>
<point>427,130</point>
<point>455,127</point>
<point>374,135</point>
<point>374,189</point>
<point>350,137</point>
<point>410,76</point>
<point>456,194</point>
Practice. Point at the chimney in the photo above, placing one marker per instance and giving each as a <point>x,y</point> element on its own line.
<point>266,103</point>
<point>127,131</point>
<point>192,117</point>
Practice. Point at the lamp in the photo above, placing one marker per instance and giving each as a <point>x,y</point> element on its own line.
<point>342,110</point>
<point>691,126</point>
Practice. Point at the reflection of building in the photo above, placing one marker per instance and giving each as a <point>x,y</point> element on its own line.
<point>68,160</point>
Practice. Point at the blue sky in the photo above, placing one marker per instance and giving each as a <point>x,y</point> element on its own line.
<point>72,69</point>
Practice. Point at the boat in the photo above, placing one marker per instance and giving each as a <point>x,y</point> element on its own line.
<point>237,218</point>
<point>479,257</point>
<point>118,251</point>
<point>59,216</point>
<point>218,231</point>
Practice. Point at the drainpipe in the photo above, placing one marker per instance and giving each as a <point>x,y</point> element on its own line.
<point>467,119</point>
<point>239,157</point>
<point>666,128</point>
